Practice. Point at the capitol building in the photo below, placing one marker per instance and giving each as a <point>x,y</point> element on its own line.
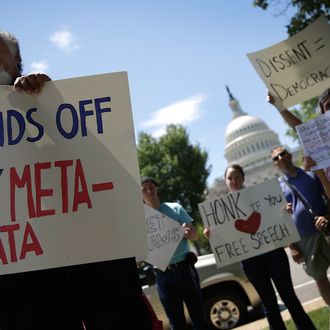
<point>249,142</point>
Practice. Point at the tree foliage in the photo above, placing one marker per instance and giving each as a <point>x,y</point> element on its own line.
<point>179,166</point>
<point>306,12</point>
<point>307,111</point>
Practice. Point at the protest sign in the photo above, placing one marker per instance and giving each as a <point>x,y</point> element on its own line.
<point>314,136</point>
<point>164,236</point>
<point>70,191</point>
<point>298,68</point>
<point>248,222</point>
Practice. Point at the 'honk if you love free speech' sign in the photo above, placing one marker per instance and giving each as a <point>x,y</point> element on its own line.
<point>69,187</point>
<point>248,222</point>
<point>297,69</point>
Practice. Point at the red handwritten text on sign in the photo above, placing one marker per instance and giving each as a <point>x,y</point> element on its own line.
<point>31,180</point>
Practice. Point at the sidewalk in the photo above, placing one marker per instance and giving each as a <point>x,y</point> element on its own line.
<point>262,323</point>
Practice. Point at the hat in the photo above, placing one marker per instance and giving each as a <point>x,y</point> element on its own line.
<point>148,179</point>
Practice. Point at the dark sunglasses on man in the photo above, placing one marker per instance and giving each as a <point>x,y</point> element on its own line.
<point>281,154</point>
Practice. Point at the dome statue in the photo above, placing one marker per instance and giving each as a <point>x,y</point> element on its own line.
<point>248,139</point>
<point>249,142</point>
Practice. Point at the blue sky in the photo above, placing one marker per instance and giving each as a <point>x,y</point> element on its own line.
<point>179,55</point>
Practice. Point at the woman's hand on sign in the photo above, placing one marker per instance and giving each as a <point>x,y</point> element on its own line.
<point>190,231</point>
<point>289,208</point>
<point>206,232</point>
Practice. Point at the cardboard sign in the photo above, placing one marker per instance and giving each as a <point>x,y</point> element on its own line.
<point>297,69</point>
<point>69,187</point>
<point>164,236</point>
<point>314,136</point>
<point>248,222</point>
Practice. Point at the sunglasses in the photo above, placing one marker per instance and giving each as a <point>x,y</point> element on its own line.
<point>281,154</point>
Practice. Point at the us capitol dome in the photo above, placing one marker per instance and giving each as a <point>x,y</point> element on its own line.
<point>249,142</point>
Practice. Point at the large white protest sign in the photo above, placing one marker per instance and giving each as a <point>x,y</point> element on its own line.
<point>298,68</point>
<point>164,236</point>
<point>248,222</point>
<point>69,188</point>
<point>314,136</point>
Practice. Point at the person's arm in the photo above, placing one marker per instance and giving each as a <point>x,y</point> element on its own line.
<point>296,254</point>
<point>287,115</point>
<point>190,231</point>
<point>31,83</point>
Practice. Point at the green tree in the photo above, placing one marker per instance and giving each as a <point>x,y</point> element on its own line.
<point>179,166</point>
<point>306,112</point>
<point>306,11</point>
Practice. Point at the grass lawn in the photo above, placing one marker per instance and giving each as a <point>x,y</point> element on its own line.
<point>320,318</point>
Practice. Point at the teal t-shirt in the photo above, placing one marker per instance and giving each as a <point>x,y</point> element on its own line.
<point>176,212</point>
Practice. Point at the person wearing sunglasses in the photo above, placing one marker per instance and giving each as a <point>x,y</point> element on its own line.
<point>304,194</point>
<point>293,121</point>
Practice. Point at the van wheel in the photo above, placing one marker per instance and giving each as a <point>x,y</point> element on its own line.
<point>225,310</point>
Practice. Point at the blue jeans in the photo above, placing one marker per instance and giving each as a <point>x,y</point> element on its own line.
<point>274,266</point>
<point>178,285</point>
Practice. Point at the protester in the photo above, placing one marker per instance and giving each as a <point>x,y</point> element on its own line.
<point>303,192</point>
<point>102,295</point>
<point>179,282</point>
<point>293,121</point>
<point>271,266</point>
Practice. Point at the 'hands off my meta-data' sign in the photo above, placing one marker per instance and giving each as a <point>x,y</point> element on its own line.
<point>164,236</point>
<point>69,187</point>
<point>248,222</point>
<point>298,68</point>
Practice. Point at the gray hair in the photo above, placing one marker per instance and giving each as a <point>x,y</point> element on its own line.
<point>12,43</point>
<point>322,98</point>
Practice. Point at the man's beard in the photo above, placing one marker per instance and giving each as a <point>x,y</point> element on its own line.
<point>5,77</point>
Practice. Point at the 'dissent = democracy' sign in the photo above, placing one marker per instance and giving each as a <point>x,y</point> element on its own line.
<point>69,185</point>
<point>248,222</point>
<point>298,68</point>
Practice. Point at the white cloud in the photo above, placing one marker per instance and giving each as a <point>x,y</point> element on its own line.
<point>181,112</point>
<point>39,66</point>
<point>64,40</point>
